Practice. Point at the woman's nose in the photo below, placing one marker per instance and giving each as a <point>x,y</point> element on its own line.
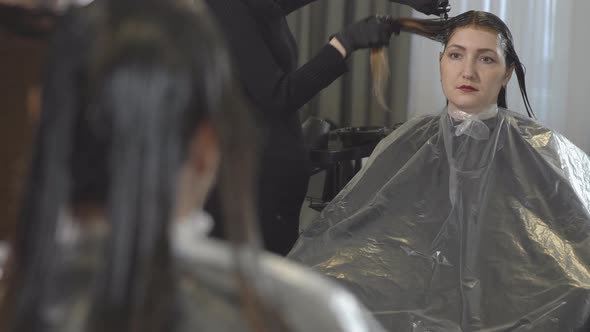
<point>469,70</point>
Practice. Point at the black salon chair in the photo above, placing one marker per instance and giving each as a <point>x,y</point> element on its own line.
<point>339,152</point>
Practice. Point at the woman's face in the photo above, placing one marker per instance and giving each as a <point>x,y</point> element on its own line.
<point>473,69</point>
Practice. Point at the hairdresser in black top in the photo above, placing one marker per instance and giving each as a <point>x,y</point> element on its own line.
<point>266,57</point>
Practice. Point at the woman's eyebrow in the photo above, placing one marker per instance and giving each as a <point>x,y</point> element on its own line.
<point>483,50</point>
<point>457,46</point>
<point>479,50</point>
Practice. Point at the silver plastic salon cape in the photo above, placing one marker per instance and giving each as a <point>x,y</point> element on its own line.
<point>463,224</point>
<point>208,290</point>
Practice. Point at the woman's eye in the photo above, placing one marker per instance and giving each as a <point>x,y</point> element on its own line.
<point>487,59</point>
<point>454,56</point>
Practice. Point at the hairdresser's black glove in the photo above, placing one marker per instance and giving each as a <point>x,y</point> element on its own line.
<point>371,32</point>
<point>428,7</point>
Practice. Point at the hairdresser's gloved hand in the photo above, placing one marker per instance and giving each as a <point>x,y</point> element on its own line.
<point>371,32</point>
<point>428,7</point>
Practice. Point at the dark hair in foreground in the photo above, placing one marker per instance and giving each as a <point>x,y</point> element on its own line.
<point>127,85</point>
<point>442,31</point>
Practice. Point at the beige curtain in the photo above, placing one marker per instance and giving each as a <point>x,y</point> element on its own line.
<point>349,101</point>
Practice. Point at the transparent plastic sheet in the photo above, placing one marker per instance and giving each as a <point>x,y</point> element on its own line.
<point>449,229</point>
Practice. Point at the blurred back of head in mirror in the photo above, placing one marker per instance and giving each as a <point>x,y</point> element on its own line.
<point>128,86</point>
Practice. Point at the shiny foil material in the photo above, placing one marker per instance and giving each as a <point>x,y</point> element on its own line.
<point>455,226</point>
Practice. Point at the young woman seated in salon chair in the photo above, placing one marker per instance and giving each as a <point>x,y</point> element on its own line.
<point>475,219</point>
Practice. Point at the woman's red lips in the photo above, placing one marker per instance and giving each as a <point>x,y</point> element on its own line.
<point>467,88</point>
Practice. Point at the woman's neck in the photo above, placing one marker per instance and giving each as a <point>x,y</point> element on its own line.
<point>482,113</point>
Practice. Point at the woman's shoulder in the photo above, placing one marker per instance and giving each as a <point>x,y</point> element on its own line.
<point>552,147</point>
<point>520,118</point>
<point>533,130</point>
<point>307,300</point>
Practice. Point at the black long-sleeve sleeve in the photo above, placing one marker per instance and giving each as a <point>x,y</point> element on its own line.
<point>295,89</point>
<point>266,82</point>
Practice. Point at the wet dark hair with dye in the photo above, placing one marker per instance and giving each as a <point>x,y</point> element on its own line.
<point>442,30</point>
<point>128,84</point>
